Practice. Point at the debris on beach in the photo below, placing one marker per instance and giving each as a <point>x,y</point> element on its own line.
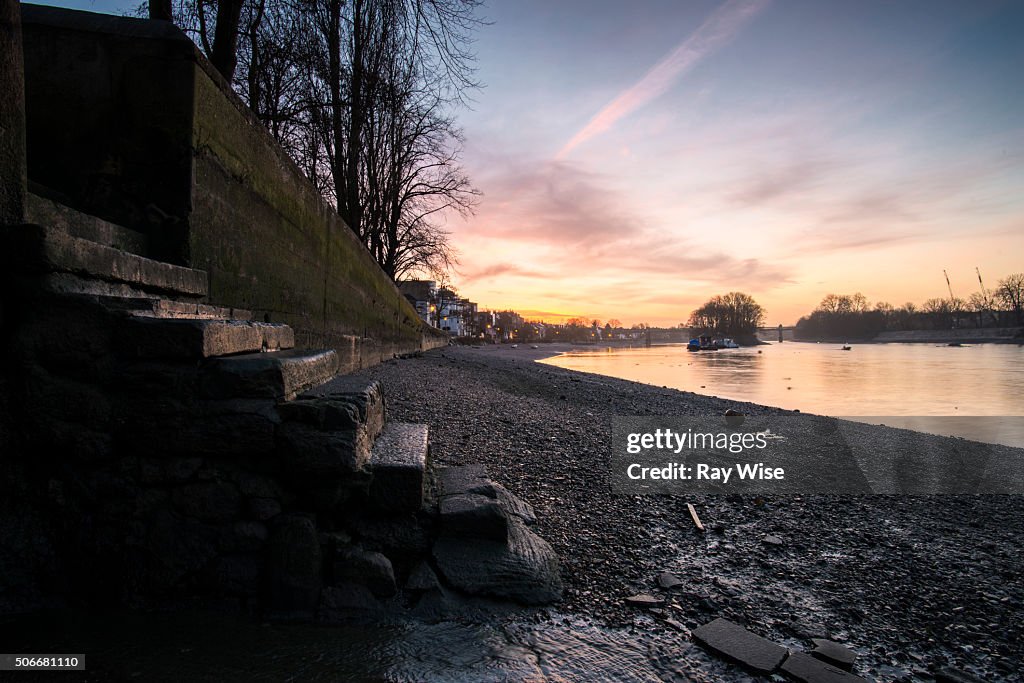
<point>668,581</point>
<point>694,517</point>
<point>644,600</point>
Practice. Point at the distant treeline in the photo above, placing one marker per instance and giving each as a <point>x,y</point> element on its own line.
<point>850,316</point>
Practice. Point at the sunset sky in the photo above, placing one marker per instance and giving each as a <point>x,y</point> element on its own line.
<point>637,158</point>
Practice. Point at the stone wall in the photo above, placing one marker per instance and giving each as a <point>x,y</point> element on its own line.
<point>128,122</point>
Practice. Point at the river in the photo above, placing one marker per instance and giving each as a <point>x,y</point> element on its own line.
<point>974,391</point>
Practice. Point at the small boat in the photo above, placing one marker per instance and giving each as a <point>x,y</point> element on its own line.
<point>846,347</point>
<point>702,344</point>
<point>726,343</point>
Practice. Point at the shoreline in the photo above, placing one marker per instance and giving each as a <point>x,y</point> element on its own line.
<point>884,574</point>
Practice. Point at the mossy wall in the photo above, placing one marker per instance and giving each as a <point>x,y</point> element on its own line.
<point>130,123</point>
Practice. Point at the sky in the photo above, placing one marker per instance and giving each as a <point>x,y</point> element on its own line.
<point>636,159</point>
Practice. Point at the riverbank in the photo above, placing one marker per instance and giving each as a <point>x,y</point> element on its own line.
<point>912,584</point>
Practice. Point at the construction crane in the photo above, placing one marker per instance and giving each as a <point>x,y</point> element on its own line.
<point>984,292</point>
<point>987,300</point>
<point>952,300</point>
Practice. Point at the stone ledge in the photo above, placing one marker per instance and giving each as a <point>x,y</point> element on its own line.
<point>185,338</point>
<point>399,462</point>
<point>279,374</point>
<point>42,249</point>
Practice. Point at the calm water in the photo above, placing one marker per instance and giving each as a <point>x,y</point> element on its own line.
<point>973,391</point>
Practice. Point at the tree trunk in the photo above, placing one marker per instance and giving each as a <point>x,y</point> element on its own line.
<point>225,38</point>
<point>161,9</point>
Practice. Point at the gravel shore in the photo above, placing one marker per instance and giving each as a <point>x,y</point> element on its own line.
<point>912,583</point>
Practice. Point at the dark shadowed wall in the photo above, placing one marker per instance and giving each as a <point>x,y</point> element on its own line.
<point>127,121</point>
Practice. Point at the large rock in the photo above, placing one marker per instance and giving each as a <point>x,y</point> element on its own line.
<point>737,643</point>
<point>472,479</point>
<point>471,515</point>
<point>524,568</point>
<point>371,569</point>
<point>292,577</point>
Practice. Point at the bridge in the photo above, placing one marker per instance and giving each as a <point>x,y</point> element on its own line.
<point>779,333</point>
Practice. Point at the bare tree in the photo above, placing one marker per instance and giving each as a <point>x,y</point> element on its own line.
<point>1011,295</point>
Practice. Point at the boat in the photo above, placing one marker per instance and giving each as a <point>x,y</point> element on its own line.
<point>846,347</point>
<point>702,343</point>
<point>726,343</point>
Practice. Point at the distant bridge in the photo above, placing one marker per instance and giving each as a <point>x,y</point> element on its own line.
<point>771,334</point>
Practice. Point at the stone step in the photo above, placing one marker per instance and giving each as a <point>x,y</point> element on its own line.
<point>363,399</point>
<point>72,264</point>
<point>44,211</point>
<point>164,308</point>
<point>276,374</point>
<point>156,307</point>
<point>326,437</point>
<point>398,462</point>
<point>144,336</point>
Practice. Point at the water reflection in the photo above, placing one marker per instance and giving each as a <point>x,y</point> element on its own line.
<point>894,380</point>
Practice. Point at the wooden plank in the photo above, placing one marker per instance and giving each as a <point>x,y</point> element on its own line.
<point>694,517</point>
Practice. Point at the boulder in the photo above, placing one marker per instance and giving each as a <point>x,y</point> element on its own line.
<point>366,567</point>
<point>471,515</point>
<point>523,568</point>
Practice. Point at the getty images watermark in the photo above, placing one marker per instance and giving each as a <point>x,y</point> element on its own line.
<point>807,454</point>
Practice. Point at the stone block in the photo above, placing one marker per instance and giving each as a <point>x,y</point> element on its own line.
<point>342,402</point>
<point>524,568</point>
<point>44,211</point>
<point>369,568</point>
<point>277,374</point>
<point>401,537</point>
<point>422,578</point>
<point>46,249</point>
<point>188,338</point>
<point>834,653</point>
<point>471,515</point>
<point>807,669</point>
<point>463,479</point>
<point>472,479</point>
<point>398,462</point>
<point>309,452</point>
<point>737,643</point>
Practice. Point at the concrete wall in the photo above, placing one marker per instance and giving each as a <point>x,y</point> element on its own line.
<point>127,121</point>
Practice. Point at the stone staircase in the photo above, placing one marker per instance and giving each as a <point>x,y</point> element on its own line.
<point>206,454</point>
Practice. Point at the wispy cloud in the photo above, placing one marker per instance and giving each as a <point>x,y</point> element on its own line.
<point>720,28</point>
<point>501,270</point>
